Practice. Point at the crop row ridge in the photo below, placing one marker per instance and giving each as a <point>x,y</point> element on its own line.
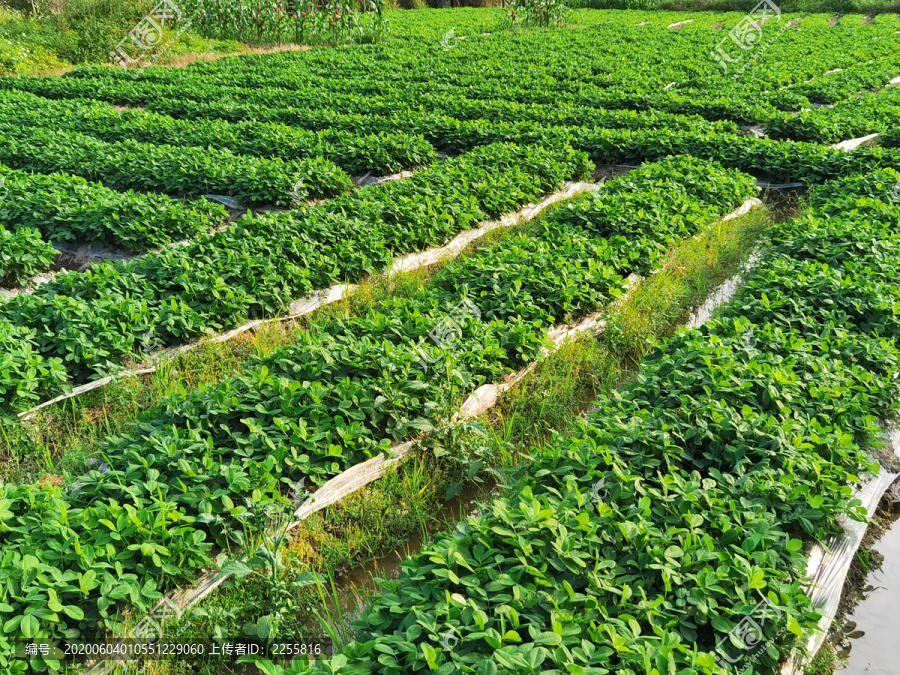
<point>828,564</point>
<point>364,473</point>
<point>337,292</point>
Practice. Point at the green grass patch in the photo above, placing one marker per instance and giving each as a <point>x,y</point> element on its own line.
<point>563,385</point>
<point>364,537</point>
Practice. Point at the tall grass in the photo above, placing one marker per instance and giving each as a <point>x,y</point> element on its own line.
<point>77,31</point>
<point>565,385</point>
<point>393,517</point>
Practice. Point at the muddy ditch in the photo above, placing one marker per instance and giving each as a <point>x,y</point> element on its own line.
<point>830,564</point>
<point>355,587</point>
<point>863,638</point>
<point>68,259</point>
<point>866,642</point>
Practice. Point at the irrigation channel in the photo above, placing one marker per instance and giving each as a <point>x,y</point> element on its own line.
<point>866,644</point>
<point>867,641</point>
<point>352,591</point>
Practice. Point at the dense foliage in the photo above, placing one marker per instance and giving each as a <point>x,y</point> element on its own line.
<point>23,254</point>
<point>180,171</point>
<point>67,209</point>
<point>715,464</point>
<point>381,153</point>
<point>90,321</point>
<point>612,90</point>
<point>197,471</point>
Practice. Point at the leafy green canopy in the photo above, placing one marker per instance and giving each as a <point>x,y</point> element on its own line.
<point>381,153</point>
<point>88,322</point>
<point>179,171</point>
<point>23,254</point>
<point>737,441</point>
<point>199,468</point>
<point>67,209</point>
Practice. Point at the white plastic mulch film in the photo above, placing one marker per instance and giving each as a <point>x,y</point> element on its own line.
<point>828,564</point>
<point>337,292</point>
<point>477,403</point>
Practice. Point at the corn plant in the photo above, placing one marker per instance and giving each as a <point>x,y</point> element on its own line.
<point>538,12</point>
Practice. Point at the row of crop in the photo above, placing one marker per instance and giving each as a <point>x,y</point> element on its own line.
<point>655,56</point>
<point>356,153</point>
<point>429,114</point>
<point>452,134</point>
<point>793,67</point>
<point>511,69</point>
<point>633,67</point>
<point>366,94</point>
<point>69,209</point>
<point>363,95</point>
<point>421,109</point>
<point>23,254</point>
<point>192,97</point>
<point>88,322</point>
<point>509,100</point>
<point>182,171</point>
<point>257,267</point>
<point>817,125</point>
<point>780,160</point>
<point>454,105</point>
<point>776,159</point>
<point>855,79</point>
<point>611,37</point>
<point>287,21</point>
<point>636,74</point>
<point>673,516</point>
<point>446,133</point>
<point>773,160</point>
<point>860,116</point>
<point>201,468</point>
